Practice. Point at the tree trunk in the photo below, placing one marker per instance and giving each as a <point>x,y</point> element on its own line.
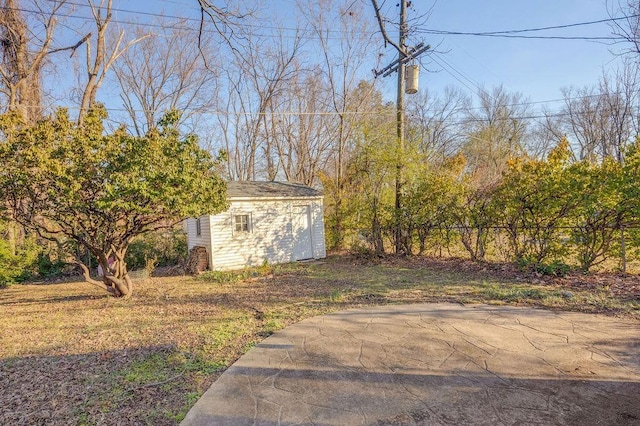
<point>115,279</point>
<point>122,287</point>
<point>376,231</point>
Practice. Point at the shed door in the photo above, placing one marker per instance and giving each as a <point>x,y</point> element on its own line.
<point>301,221</point>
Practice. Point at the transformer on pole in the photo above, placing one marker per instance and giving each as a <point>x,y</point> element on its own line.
<point>412,79</point>
<point>408,85</point>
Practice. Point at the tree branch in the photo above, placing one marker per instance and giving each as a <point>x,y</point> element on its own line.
<point>87,277</point>
<point>217,14</point>
<point>72,48</point>
<point>387,39</point>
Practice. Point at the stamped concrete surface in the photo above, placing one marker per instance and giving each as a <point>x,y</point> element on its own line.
<point>435,364</point>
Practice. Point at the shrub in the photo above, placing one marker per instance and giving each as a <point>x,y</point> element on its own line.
<point>47,267</point>
<point>161,248</point>
<point>18,265</point>
<point>556,268</point>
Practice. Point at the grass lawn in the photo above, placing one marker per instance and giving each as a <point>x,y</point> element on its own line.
<point>70,354</point>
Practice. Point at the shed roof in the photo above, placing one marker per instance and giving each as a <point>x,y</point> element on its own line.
<point>270,189</point>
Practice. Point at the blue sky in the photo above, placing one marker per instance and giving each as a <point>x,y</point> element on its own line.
<point>536,68</point>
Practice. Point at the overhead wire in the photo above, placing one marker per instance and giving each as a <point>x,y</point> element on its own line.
<point>579,38</point>
<point>453,71</point>
<point>197,21</point>
<point>512,33</point>
<point>440,60</point>
<point>516,33</point>
<point>334,113</point>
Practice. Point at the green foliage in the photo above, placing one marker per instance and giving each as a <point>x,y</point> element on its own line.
<point>368,200</point>
<point>365,155</point>
<point>473,213</point>
<point>167,247</point>
<point>555,268</point>
<point>17,259</point>
<point>533,202</point>
<point>429,202</point>
<point>100,190</point>
<point>516,293</point>
<point>546,213</point>
<point>631,182</point>
<point>337,295</point>
<point>50,267</point>
<point>598,216</point>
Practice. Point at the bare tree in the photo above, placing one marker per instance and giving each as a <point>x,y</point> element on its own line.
<point>256,84</point>
<point>342,64</point>
<point>163,72</point>
<point>304,139</point>
<point>25,44</point>
<point>99,62</point>
<point>226,22</point>
<point>545,134</point>
<point>434,122</point>
<point>495,132</point>
<point>583,121</point>
<point>625,23</point>
<point>600,120</point>
<point>621,101</point>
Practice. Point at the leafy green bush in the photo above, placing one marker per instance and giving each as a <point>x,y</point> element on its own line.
<point>556,268</point>
<point>48,267</point>
<point>18,265</point>
<point>162,248</point>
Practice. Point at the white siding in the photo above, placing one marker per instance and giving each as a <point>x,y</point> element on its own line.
<point>204,239</point>
<point>317,229</point>
<point>270,235</point>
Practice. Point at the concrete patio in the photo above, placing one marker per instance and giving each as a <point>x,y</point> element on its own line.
<point>435,364</point>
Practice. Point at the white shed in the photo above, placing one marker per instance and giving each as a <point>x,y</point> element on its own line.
<point>274,221</point>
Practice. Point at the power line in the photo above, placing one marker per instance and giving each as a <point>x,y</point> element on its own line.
<point>437,61</point>
<point>483,33</point>
<point>515,33</point>
<point>352,113</point>
<point>450,69</point>
<point>187,19</point>
<point>194,20</point>
<point>325,113</point>
<point>580,38</point>
<point>329,113</point>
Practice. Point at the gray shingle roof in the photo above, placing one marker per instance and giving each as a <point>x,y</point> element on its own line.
<point>255,189</point>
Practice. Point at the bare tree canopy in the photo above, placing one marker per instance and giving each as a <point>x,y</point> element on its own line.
<point>495,133</point>
<point>599,120</point>
<point>625,23</point>
<point>164,72</point>
<point>24,54</point>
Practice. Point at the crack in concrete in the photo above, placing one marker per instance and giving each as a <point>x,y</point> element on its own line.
<point>564,336</point>
<point>435,364</point>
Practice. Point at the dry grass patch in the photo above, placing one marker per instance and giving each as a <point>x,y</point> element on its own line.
<point>71,355</point>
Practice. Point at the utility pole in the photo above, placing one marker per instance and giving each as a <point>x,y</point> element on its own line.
<point>405,54</point>
<point>400,124</point>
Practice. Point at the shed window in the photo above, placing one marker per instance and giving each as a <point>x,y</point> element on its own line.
<point>242,222</point>
<point>198,227</point>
